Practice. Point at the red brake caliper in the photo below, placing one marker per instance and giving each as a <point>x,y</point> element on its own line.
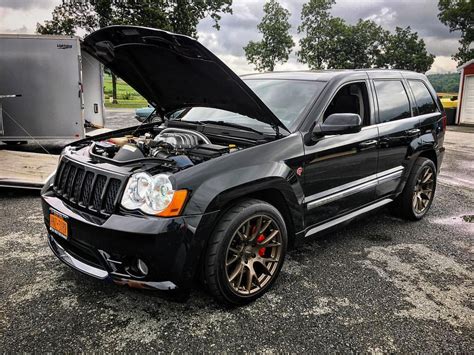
<point>260,239</point>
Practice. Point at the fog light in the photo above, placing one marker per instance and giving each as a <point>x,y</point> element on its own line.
<point>141,266</point>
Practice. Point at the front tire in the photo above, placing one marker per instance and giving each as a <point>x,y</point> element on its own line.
<point>245,253</point>
<point>417,196</point>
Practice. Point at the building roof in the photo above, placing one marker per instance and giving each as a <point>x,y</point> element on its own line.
<point>465,65</point>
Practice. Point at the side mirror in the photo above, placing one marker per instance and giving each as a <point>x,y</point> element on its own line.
<point>338,123</point>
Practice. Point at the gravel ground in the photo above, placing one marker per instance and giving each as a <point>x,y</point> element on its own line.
<point>379,284</point>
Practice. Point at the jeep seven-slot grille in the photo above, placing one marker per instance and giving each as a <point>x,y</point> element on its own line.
<point>93,191</point>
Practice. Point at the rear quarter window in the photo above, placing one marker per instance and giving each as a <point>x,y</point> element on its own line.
<point>424,101</point>
<point>392,100</point>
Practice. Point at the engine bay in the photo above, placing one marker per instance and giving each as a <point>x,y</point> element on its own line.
<point>184,147</point>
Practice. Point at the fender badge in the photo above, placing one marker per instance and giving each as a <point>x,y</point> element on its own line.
<point>299,171</point>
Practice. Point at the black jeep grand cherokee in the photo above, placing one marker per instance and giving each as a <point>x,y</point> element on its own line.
<point>238,169</point>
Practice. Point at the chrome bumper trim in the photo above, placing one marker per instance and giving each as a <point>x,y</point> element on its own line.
<point>76,264</point>
<point>71,261</point>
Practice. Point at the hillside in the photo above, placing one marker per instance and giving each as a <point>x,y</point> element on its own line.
<point>448,83</point>
<point>128,97</point>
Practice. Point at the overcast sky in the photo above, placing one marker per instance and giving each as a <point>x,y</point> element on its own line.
<point>21,16</point>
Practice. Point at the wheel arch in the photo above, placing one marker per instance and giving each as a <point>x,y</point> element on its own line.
<point>430,154</point>
<point>276,191</point>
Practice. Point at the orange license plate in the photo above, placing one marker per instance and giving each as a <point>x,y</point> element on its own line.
<point>58,225</point>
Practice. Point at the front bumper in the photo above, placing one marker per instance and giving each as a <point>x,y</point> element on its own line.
<point>102,274</point>
<point>109,248</point>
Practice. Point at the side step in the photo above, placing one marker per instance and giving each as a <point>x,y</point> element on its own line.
<point>347,217</point>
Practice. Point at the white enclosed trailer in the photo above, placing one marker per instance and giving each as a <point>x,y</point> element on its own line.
<point>49,88</point>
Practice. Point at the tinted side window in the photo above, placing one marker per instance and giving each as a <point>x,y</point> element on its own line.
<point>392,99</point>
<point>351,98</point>
<point>423,98</point>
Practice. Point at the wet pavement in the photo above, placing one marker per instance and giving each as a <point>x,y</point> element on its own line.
<point>378,284</point>
<point>458,169</point>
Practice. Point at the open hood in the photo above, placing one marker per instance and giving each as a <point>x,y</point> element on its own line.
<point>173,71</point>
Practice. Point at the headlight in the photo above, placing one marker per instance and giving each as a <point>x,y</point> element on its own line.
<point>153,195</point>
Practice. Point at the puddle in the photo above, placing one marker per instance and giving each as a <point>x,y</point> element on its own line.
<point>461,223</point>
<point>469,218</point>
<point>435,286</point>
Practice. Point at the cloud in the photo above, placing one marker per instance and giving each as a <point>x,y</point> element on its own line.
<point>26,4</point>
<point>22,30</point>
<point>237,63</point>
<point>21,16</point>
<point>443,64</point>
<point>384,16</point>
<point>421,15</point>
<point>441,46</point>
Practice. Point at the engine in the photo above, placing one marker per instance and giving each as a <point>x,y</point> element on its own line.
<point>184,147</point>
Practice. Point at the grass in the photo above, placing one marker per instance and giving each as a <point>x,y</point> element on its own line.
<point>126,104</point>
<point>126,96</point>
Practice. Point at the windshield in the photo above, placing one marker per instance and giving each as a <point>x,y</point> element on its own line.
<point>287,99</point>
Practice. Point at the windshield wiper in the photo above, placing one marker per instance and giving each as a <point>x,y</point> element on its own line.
<point>234,125</point>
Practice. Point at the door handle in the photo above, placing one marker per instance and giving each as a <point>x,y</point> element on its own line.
<point>369,143</point>
<point>413,131</point>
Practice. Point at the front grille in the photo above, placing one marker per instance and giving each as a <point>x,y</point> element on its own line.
<point>89,189</point>
<point>78,186</point>
<point>112,192</point>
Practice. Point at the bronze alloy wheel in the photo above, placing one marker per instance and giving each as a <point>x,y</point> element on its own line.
<point>253,255</point>
<point>423,191</point>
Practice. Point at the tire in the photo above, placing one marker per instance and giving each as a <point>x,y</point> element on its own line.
<point>414,196</point>
<point>234,255</point>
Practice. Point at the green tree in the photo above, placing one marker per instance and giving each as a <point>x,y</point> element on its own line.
<point>316,25</point>
<point>181,16</point>
<point>458,15</point>
<point>276,44</point>
<point>357,46</point>
<point>404,50</point>
<point>329,42</point>
<point>445,83</point>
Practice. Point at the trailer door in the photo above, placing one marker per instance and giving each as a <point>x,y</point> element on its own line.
<point>44,73</point>
<point>93,93</point>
